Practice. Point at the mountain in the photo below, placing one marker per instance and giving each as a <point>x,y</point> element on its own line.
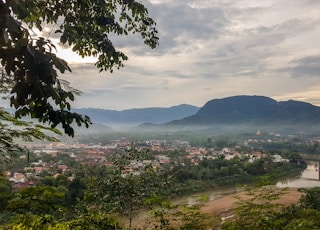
<point>155,115</point>
<point>230,114</point>
<point>245,109</point>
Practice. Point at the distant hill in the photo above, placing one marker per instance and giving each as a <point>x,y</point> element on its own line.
<point>231,114</point>
<point>252,110</point>
<point>155,115</point>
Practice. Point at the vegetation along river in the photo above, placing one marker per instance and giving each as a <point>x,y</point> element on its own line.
<point>308,178</point>
<point>222,197</point>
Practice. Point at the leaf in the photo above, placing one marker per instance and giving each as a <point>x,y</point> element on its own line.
<point>71,96</point>
<point>32,66</point>
<point>59,63</point>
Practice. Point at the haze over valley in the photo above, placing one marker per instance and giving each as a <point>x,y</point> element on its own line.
<point>233,114</point>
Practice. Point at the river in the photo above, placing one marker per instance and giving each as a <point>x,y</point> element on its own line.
<point>308,178</point>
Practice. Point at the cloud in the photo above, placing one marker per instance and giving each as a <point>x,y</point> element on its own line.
<point>181,26</point>
<point>212,49</point>
<point>306,67</point>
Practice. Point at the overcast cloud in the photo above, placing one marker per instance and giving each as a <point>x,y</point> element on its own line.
<point>211,49</point>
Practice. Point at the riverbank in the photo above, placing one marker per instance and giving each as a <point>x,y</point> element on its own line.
<point>222,203</point>
<point>223,206</point>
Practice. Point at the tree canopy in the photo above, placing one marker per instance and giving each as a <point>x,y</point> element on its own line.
<point>31,67</point>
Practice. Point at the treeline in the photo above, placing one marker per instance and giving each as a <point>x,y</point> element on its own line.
<point>295,143</point>
<point>219,172</point>
<point>306,148</point>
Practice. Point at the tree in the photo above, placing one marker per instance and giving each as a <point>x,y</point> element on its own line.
<point>261,214</point>
<point>29,61</point>
<point>38,200</point>
<point>165,215</point>
<point>90,221</point>
<point>11,128</point>
<point>296,217</point>
<point>259,209</point>
<point>125,189</point>
<point>5,191</point>
<point>310,198</point>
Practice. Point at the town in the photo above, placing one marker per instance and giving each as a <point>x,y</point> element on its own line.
<point>58,158</point>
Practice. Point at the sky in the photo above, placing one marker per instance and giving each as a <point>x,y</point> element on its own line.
<point>210,49</point>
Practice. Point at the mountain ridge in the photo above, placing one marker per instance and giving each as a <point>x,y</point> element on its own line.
<point>156,115</point>
<point>253,109</point>
<point>234,114</point>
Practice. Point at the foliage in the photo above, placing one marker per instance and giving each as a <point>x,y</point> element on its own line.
<point>257,210</point>
<point>29,221</point>
<point>5,191</point>
<point>304,215</point>
<point>126,188</point>
<point>188,177</point>
<point>38,200</point>
<point>166,215</point>
<point>295,217</point>
<point>218,142</point>
<point>98,191</point>
<point>90,221</point>
<point>11,129</point>
<point>18,162</point>
<point>29,61</point>
<point>310,198</point>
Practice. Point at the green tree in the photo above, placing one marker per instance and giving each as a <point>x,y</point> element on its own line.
<point>90,221</point>
<point>295,217</point>
<point>48,181</point>
<point>5,191</point>
<point>29,61</point>
<point>259,210</point>
<point>38,200</point>
<point>29,221</point>
<point>124,190</point>
<point>11,129</point>
<point>310,198</point>
<point>165,215</point>
<point>303,215</point>
<point>76,189</point>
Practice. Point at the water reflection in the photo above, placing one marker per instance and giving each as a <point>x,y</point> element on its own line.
<point>309,178</point>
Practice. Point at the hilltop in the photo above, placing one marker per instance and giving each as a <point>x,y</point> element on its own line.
<point>254,110</point>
